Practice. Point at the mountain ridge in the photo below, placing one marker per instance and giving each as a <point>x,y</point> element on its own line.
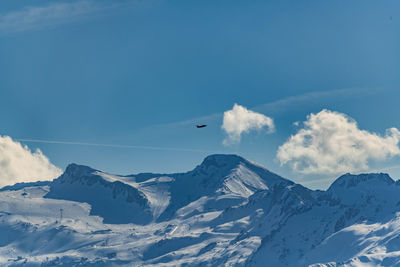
<point>216,161</point>
<point>227,211</point>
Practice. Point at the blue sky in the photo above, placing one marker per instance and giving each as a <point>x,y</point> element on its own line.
<point>143,73</point>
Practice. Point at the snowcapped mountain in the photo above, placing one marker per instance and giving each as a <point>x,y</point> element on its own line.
<point>228,211</point>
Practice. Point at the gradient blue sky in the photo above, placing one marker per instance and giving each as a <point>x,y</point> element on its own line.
<point>143,73</point>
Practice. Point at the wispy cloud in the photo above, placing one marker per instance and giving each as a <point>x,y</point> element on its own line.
<point>289,102</point>
<point>37,17</point>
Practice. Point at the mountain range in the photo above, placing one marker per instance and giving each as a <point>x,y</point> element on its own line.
<point>228,211</point>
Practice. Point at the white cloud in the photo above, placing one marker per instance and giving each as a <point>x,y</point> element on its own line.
<point>19,164</point>
<point>331,143</point>
<point>240,120</point>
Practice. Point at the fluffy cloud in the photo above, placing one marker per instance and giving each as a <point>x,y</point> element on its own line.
<point>331,143</point>
<point>19,164</point>
<point>240,120</point>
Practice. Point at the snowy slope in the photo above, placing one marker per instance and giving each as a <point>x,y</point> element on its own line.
<point>226,212</point>
<point>352,200</point>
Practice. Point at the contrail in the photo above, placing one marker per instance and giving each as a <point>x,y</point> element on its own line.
<point>115,145</point>
<point>134,147</point>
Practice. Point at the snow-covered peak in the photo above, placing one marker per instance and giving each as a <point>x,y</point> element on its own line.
<point>351,180</point>
<point>113,197</point>
<point>219,163</point>
<point>364,190</point>
<point>88,176</point>
<point>80,174</point>
<point>228,211</point>
<point>75,170</point>
<point>224,165</point>
<point>222,159</point>
<point>219,182</point>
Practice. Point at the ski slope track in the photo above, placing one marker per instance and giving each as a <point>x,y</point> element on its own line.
<point>228,211</point>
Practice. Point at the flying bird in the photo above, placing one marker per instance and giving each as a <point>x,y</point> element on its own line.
<point>201,126</point>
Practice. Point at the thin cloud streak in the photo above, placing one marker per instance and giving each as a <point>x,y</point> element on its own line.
<point>36,17</point>
<point>285,102</point>
<point>53,14</point>
<point>275,106</point>
<point>115,145</point>
<point>155,148</point>
<point>282,104</point>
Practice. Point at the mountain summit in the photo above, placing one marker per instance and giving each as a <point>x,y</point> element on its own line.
<point>350,180</point>
<point>227,211</point>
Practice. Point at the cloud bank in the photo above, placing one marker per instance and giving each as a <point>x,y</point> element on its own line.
<point>19,164</point>
<point>331,143</point>
<point>240,120</point>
